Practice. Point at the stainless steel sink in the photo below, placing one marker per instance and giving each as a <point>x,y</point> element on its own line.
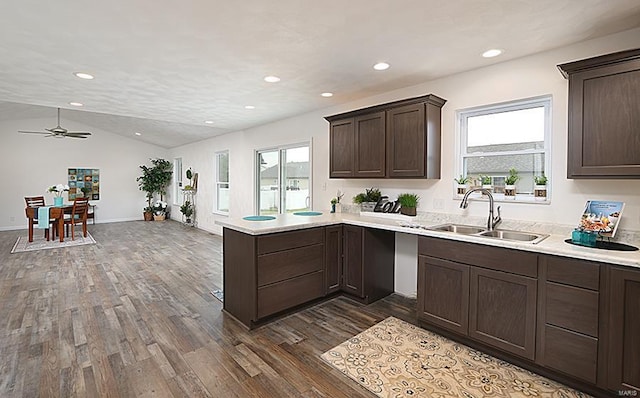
<point>519,236</point>
<point>514,235</point>
<point>458,229</point>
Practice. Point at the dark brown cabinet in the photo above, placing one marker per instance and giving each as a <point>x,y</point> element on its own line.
<point>333,258</point>
<point>395,140</point>
<point>624,331</point>
<point>502,310</point>
<point>368,268</point>
<point>569,306</point>
<point>443,293</point>
<point>604,116</point>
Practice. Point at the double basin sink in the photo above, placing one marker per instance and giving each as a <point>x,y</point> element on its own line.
<point>519,236</point>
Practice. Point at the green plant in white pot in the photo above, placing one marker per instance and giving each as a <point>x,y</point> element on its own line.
<point>462,182</point>
<point>408,203</point>
<point>510,184</point>
<point>368,199</point>
<point>540,187</point>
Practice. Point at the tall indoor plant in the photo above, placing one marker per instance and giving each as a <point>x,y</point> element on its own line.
<point>154,180</point>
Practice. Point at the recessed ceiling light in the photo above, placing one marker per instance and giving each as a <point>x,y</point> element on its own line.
<point>327,95</point>
<point>272,79</point>
<point>249,107</point>
<point>83,75</point>
<point>494,52</point>
<point>76,103</point>
<point>381,66</point>
<point>208,121</point>
<point>138,134</point>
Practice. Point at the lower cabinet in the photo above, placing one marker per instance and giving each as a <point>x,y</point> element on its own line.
<point>443,293</point>
<point>624,332</point>
<point>368,262</point>
<point>333,258</point>
<point>502,310</point>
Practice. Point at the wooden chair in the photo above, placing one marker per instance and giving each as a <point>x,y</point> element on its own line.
<point>78,216</point>
<point>38,201</point>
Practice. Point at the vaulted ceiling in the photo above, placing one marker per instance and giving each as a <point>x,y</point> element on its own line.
<point>164,67</point>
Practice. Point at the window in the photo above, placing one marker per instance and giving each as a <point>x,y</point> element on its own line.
<point>222,183</point>
<point>283,179</point>
<point>497,138</point>
<point>177,181</point>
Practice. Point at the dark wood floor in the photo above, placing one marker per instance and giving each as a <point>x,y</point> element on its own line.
<point>132,316</point>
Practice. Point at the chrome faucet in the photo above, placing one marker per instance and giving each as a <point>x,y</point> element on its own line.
<point>492,221</point>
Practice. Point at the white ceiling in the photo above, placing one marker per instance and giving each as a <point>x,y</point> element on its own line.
<point>164,67</point>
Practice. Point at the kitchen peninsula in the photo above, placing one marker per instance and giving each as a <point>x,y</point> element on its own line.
<point>552,307</point>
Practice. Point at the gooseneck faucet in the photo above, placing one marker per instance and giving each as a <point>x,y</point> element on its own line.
<point>492,221</point>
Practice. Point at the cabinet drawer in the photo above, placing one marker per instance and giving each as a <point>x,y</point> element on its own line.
<point>572,272</point>
<point>287,294</point>
<point>496,258</point>
<point>278,266</point>
<point>569,352</point>
<point>572,308</point>
<point>289,240</point>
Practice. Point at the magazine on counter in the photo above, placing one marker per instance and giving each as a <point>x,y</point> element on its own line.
<point>602,216</point>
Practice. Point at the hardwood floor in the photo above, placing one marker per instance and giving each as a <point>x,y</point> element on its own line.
<point>132,316</point>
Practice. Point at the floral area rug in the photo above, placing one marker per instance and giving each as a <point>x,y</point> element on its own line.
<point>40,243</point>
<point>397,359</point>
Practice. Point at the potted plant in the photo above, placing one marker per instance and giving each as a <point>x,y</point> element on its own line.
<point>510,184</point>
<point>187,210</point>
<point>160,210</point>
<point>486,182</point>
<point>462,182</point>
<point>368,199</point>
<point>540,187</point>
<point>154,180</point>
<point>408,203</point>
<point>58,190</point>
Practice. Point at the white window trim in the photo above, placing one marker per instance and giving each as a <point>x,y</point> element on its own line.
<point>177,182</point>
<point>461,142</point>
<point>217,183</point>
<point>256,170</point>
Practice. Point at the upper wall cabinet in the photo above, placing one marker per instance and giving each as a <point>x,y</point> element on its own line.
<point>604,116</point>
<point>396,140</point>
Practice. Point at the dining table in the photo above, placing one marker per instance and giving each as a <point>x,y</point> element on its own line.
<point>55,212</point>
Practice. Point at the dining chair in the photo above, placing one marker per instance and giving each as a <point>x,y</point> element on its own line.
<point>78,216</point>
<point>38,201</point>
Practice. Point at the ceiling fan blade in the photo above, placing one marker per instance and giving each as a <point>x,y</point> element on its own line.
<point>79,132</point>
<point>75,136</point>
<point>32,132</point>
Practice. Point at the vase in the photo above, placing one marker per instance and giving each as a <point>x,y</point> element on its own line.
<point>57,201</point>
<point>159,217</point>
<point>148,216</point>
<point>510,192</point>
<point>540,192</point>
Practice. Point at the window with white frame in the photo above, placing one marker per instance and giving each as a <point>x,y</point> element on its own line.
<point>497,138</point>
<point>177,181</point>
<point>222,183</point>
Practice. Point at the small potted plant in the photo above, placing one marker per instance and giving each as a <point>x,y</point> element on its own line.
<point>462,182</point>
<point>368,199</point>
<point>187,210</point>
<point>540,187</point>
<point>486,182</point>
<point>334,202</point>
<point>159,210</point>
<point>408,203</point>
<point>510,184</point>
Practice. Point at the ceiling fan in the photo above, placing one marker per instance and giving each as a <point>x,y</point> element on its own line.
<point>59,132</point>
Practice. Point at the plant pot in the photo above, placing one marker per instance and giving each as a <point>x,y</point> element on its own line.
<point>148,216</point>
<point>408,211</point>
<point>461,190</point>
<point>58,200</point>
<point>367,206</point>
<point>510,192</point>
<point>159,217</point>
<point>488,187</point>
<point>540,192</point>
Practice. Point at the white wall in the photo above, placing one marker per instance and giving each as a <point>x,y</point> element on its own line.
<point>522,78</point>
<point>31,163</point>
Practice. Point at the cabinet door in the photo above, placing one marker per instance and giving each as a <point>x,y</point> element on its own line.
<point>624,330</point>
<point>502,310</point>
<point>341,148</point>
<point>353,277</point>
<point>604,105</point>
<point>443,293</point>
<point>406,146</point>
<point>370,145</point>
<point>333,256</point>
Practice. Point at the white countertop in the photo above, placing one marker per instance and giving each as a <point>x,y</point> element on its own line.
<point>554,244</point>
